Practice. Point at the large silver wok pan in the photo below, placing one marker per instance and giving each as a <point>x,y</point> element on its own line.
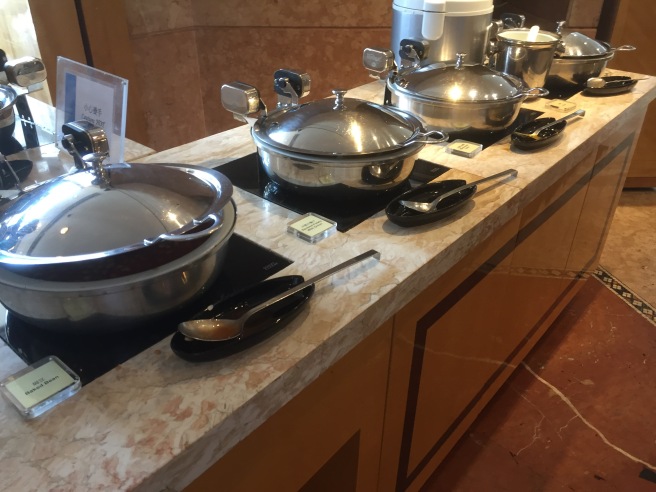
<point>108,247</point>
<point>336,148</point>
<point>456,98</point>
<point>580,59</point>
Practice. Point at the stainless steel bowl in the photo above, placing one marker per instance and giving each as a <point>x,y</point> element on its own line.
<point>7,101</point>
<point>580,59</point>
<point>575,72</point>
<point>7,118</point>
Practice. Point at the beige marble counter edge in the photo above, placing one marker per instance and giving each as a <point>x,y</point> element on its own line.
<point>157,421</point>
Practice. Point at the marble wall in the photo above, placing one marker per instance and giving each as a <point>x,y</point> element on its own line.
<point>184,50</point>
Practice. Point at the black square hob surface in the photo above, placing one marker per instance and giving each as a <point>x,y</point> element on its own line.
<point>248,174</point>
<point>91,355</point>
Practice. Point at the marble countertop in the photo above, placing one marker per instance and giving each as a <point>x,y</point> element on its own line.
<point>156,422</point>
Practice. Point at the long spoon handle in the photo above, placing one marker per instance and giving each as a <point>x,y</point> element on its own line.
<point>578,112</point>
<point>311,281</point>
<point>472,184</point>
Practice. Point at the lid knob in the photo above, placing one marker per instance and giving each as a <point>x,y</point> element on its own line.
<point>460,60</point>
<point>339,98</point>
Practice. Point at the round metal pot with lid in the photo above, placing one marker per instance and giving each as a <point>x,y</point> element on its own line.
<point>456,98</point>
<point>74,225</point>
<point>123,302</point>
<point>580,59</point>
<point>337,147</point>
<point>111,246</point>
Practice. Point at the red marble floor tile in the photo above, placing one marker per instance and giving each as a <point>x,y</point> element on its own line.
<point>577,415</point>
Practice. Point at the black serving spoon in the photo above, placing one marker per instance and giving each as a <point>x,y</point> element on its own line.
<point>222,327</point>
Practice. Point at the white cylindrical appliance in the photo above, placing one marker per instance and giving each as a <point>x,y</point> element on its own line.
<point>443,27</point>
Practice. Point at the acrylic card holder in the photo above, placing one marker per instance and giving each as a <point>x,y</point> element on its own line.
<point>40,386</point>
<point>311,227</point>
<point>86,93</point>
<point>464,148</point>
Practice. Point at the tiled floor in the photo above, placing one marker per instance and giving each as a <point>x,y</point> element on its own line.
<point>578,415</point>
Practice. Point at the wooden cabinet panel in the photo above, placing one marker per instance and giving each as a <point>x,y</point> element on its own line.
<point>541,279</point>
<point>634,25</point>
<point>599,206</point>
<point>327,438</point>
<point>459,340</point>
<point>439,364</point>
<point>464,347</point>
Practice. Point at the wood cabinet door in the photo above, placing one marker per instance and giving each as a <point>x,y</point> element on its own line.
<point>447,344</point>
<point>327,438</point>
<point>459,340</point>
<point>634,26</point>
<point>608,176</point>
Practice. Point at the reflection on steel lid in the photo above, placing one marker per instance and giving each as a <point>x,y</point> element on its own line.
<point>458,83</point>
<point>337,127</point>
<point>71,216</point>
<point>577,44</point>
<point>7,96</point>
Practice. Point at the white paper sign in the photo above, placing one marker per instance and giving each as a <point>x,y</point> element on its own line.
<point>94,103</point>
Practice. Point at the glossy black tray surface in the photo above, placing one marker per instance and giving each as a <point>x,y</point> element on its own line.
<point>403,216</point>
<point>263,325</point>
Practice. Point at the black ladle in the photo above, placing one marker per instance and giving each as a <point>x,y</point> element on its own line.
<point>222,329</point>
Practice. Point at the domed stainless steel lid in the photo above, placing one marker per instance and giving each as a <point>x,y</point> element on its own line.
<point>337,127</point>
<point>458,83</point>
<point>577,45</point>
<point>78,217</point>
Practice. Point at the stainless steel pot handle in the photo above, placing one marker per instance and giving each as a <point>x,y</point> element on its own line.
<point>431,137</point>
<point>536,92</point>
<point>624,47</point>
<point>217,223</point>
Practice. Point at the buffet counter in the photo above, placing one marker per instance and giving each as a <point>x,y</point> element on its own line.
<point>398,355</point>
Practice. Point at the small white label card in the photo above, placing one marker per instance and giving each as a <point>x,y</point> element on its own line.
<point>41,386</point>
<point>311,227</point>
<point>561,105</point>
<point>464,148</point>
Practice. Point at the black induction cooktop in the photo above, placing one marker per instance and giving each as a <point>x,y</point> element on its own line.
<point>248,174</point>
<point>487,138</point>
<point>91,355</point>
